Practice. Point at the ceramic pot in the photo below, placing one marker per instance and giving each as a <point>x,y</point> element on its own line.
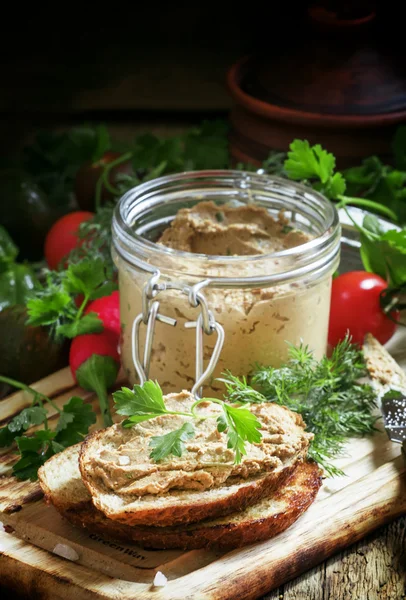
<point>335,86</point>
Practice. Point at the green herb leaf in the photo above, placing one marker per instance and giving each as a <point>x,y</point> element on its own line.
<point>90,323</point>
<point>314,163</point>
<point>74,422</point>
<point>85,277</point>
<point>6,437</point>
<point>392,395</point>
<point>326,393</point>
<point>140,404</point>
<point>34,451</point>
<point>97,374</point>
<point>34,415</point>
<point>384,253</point>
<point>241,426</point>
<point>105,289</point>
<point>172,442</point>
<point>48,306</point>
<point>309,162</point>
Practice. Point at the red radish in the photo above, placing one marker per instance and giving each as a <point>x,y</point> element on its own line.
<point>107,309</point>
<point>94,361</point>
<point>63,237</point>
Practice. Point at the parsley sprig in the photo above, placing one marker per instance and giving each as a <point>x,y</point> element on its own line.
<point>73,424</point>
<point>327,393</point>
<point>315,165</point>
<point>54,304</point>
<point>382,252</point>
<point>146,402</point>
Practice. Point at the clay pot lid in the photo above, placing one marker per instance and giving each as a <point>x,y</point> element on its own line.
<point>336,68</point>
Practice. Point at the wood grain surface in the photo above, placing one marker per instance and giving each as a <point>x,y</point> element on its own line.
<point>372,493</point>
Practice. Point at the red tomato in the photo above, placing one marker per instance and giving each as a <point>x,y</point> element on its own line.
<point>84,346</point>
<point>62,237</point>
<point>355,308</point>
<point>107,309</point>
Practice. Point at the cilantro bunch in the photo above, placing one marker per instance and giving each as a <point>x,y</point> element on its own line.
<point>73,424</point>
<point>146,402</point>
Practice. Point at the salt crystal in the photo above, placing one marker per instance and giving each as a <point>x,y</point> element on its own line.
<point>124,460</point>
<point>160,580</point>
<point>66,552</point>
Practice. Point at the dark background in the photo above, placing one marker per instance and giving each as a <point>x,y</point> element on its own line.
<point>143,64</point>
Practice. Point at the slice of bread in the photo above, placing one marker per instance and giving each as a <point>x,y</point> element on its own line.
<point>128,486</point>
<point>61,481</point>
<point>382,367</point>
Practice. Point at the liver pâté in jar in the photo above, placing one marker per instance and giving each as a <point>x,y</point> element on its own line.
<point>248,254</point>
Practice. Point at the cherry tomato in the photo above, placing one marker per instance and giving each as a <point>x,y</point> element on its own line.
<point>107,309</point>
<point>355,308</point>
<point>62,237</point>
<point>88,176</point>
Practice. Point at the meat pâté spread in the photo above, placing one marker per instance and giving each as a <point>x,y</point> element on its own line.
<point>258,322</point>
<point>123,463</point>
<point>230,231</point>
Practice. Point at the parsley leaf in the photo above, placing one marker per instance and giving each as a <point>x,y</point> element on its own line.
<point>74,422</point>
<point>90,323</point>
<point>49,306</point>
<point>384,253</point>
<point>85,277</point>
<point>54,305</point>
<point>140,404</point>
<point>6,437</point>
<point>34,415</point>
<point>309,162</point>
<point>241,426</point>
<point>314,163</point>
<point>34,451</point>
<point>171,443</point>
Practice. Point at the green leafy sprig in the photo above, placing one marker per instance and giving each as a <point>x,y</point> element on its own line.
<point>327,393</point>
<point>315,165</point>
<point>54,304</point>
<point>146,402</point>
<point>73,424</point>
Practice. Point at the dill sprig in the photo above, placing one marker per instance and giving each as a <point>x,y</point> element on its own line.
<point>328,394</point>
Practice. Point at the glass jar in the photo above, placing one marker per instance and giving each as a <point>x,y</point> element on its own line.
<point>260,302</point>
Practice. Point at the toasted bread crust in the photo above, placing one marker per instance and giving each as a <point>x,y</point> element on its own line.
<point>265,520</point>
<point>190,511</point>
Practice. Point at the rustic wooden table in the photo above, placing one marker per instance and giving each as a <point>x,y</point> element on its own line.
<point>373,569</point>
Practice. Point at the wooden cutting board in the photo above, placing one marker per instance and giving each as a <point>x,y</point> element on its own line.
<point>372,493</point>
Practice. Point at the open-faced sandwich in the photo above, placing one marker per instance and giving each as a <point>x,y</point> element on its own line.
<point>111,484</point>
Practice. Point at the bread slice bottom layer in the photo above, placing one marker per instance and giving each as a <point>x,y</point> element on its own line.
<point>259,522</point>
